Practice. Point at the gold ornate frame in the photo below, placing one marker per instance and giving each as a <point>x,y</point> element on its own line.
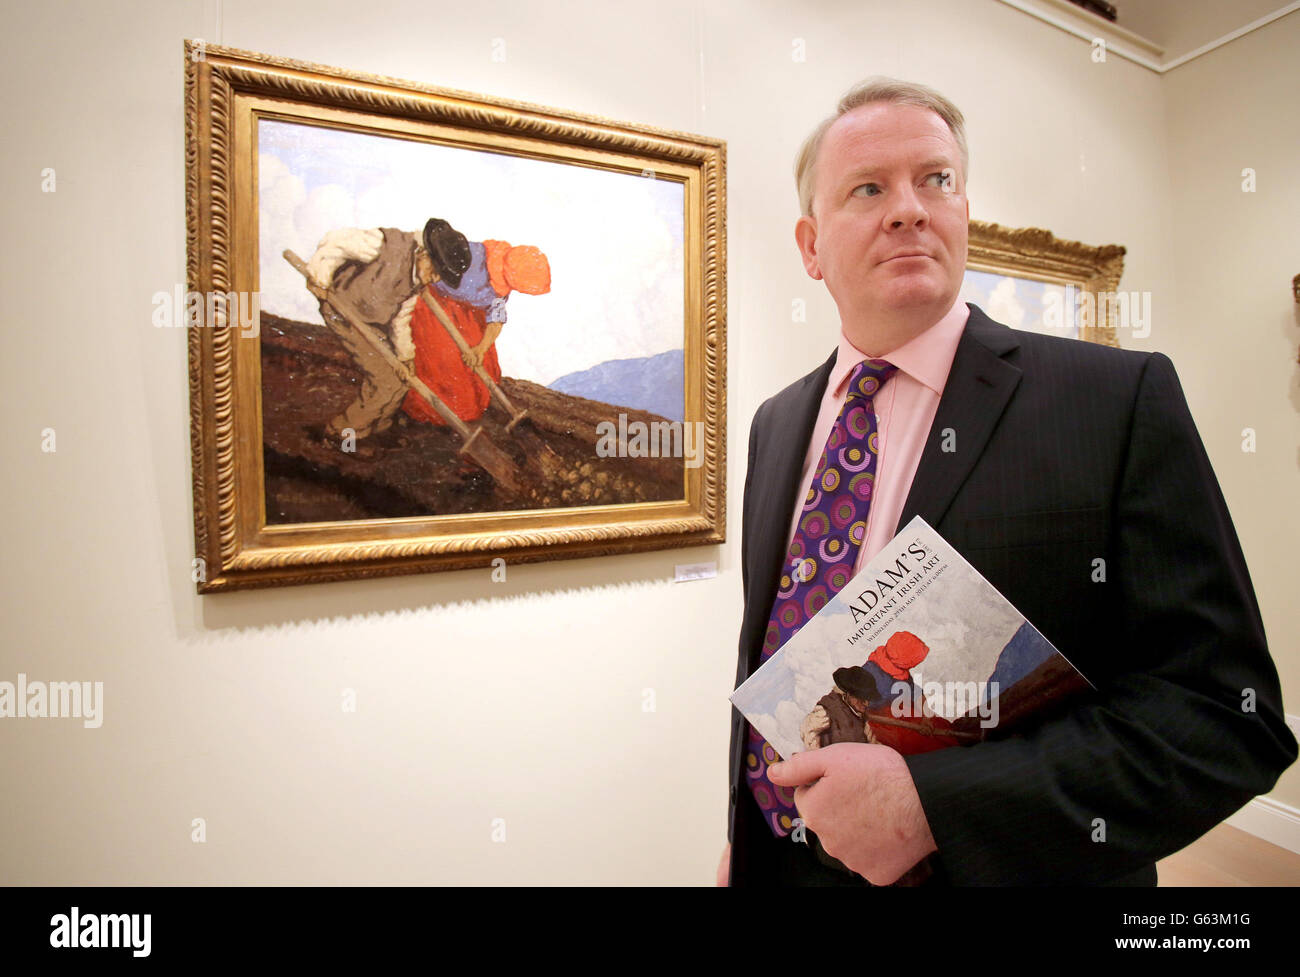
<point>1031,252</point>
<point>225,92</point>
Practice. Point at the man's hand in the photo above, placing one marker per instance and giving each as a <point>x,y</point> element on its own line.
<point>861,802</point>
<point>724,867</point>
<point>473,357</point>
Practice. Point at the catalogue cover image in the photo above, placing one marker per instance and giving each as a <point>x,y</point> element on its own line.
<point>917,652</point>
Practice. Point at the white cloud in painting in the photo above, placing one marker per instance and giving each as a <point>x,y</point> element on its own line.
<point>1005,305</point>
<point>613,239</point>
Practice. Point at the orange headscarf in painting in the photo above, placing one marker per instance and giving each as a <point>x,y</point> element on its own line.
<point>519,269</point>
<point>901,653</point>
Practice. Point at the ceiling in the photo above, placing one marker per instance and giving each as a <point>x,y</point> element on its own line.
<point>1182,26</point>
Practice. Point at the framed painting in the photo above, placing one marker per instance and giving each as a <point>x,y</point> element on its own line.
<point>431,330</point>
<point>1029,279</point>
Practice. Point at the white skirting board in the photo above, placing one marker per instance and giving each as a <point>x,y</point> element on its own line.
<point>1271,820</point>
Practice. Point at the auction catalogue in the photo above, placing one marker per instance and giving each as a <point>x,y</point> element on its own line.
<point>917,652</point>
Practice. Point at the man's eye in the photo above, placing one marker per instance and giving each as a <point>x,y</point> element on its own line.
<point>942,179</point>
<point>866,190</point>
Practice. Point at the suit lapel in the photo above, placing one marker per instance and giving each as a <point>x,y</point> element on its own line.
<point>780,472</point>
<point>978,388</point>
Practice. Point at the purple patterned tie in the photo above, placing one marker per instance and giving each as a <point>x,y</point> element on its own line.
<point>831,529</point>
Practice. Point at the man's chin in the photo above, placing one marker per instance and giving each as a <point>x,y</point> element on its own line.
<point>922,297</point>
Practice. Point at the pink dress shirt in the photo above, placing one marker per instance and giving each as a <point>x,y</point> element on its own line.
<point>905,409</point>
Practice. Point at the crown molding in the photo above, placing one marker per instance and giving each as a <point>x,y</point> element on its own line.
<point>1123,42</point>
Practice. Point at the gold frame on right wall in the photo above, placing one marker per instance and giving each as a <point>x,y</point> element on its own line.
<point>1037,254</point>
<point>1295,292</point>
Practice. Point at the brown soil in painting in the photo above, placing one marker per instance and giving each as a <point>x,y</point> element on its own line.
<point>413,468</point>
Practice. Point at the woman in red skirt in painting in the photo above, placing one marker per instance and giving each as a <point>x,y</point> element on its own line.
<point>471,283</point>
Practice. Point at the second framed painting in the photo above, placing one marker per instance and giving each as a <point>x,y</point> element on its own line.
<point>432,330</point>
<point>1030,279</point>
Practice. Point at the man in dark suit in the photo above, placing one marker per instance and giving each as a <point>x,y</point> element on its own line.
<point>1072,476</point>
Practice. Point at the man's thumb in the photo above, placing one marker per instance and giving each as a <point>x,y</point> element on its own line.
<point>801,768</point>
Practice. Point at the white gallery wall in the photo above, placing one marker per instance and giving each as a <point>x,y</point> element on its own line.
<point>1234,331</point>
<point>516,708</point>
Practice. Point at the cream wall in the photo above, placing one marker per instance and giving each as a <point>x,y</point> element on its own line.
<point>1234,330</point>
<point>522,700</point>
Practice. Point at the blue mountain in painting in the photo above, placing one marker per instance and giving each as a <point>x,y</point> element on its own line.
<point>1026,650</point>
<point>651,383</point>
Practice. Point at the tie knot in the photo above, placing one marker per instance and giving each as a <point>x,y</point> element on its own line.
<point>868,376</point>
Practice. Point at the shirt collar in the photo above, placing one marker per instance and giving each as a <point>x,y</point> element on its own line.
<point>926,357</point>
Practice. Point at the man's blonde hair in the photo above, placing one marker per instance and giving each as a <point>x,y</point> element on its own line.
<point>877,89</point>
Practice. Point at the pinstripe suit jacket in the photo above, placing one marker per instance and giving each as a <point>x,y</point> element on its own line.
<point>1066,453</point>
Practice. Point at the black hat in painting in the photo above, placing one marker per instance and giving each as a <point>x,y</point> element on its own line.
<point>447,249</point>
<point>859,683</point>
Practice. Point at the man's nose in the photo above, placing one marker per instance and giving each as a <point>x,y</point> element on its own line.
<point>906,210</point>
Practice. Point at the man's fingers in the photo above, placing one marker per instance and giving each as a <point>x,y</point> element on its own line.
<point>801,768</point>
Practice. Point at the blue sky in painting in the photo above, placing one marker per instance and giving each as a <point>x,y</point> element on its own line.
<point>614,239</point>
<point>1019,302</point>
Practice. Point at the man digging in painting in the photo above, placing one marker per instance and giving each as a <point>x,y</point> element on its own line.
<point>859,708</point>
<point>382,273</point>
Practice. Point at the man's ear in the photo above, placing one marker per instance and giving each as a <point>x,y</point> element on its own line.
<point>805,235</point>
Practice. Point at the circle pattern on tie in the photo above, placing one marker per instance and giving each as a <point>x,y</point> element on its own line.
<point>832,525</point>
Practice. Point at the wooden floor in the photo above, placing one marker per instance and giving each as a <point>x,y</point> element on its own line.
<point>1230,856</point>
